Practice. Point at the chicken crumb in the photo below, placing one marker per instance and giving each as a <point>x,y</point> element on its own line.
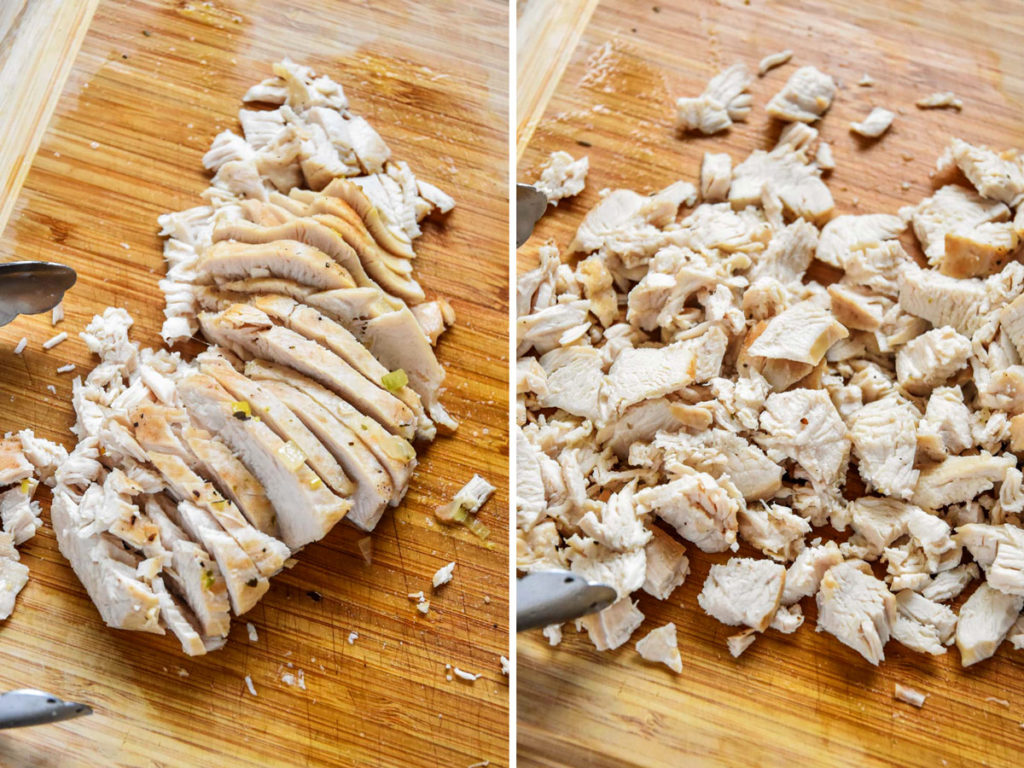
<point>462,674</point>
<point>773,60</point>
<point>1000,702</point>
<point>365,545</point>
<point>182,672</point>
<point>57,314</point>
<point>504,666</point>
<point>943,100</point>
<point>52,389</point>
<point>251,629</point>
<point>909,695</point>
<point>20,346</point>
<point>66,368</point>
<point>55,340</point>
<point>443,575</point>
<point>352,637</point>
<point>249,685</point>
<point>481,764</point>
<point>866,81</point>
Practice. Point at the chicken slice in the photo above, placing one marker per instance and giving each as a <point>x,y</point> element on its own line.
<point>640,423</point>
<point>929,360</point>
<point>921,619</point>
<point>306,508</point>
<point>857,608</point>
<point>667,564</point>
<point>573,377</point>
<point>286,259</point>
<point>856,308</point>
<point>647,373</point>
<point>801,334</point>
<point>985,619</point>
<point>804,425</point>
<point>244,327</point>
<point>278,417</point>
<point>788,254</point>
<point>959,478</point>
<point>940,100</point>
<point>804,97</point>
<point>698,508</point>
<point>394,453</point>
<point>181,622</point>
<point>660,645</point>
<point>875,124</point>
<point>884,435</point>
<point>743,592</point>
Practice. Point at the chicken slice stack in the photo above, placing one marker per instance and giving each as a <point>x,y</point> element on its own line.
<point>195,481</point>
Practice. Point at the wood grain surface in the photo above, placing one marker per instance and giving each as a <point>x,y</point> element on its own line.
<point>800,699</point>
<point>39,40</point>
<point>152,85</point>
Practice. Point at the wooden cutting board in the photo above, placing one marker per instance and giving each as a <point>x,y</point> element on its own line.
<point>801,699</point>
<point>152,85</point>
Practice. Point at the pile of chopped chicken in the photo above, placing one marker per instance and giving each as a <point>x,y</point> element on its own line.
<point>194,482</point>
<point>685,379</point>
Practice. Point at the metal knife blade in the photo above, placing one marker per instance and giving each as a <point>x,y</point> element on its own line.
<point>530,206</point>
<point>554,597</point>
<point>27,706</point>
<point>31,287</point>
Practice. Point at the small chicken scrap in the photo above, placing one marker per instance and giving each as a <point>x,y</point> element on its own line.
<point>25,461</point>
<point>562,176</point>
<point>725,100</point>
<point>683,378</point>
<point>195,481</point>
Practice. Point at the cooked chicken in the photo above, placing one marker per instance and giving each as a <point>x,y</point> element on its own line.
<point>952,209</point>
<point>715,177</point>
<point>613,626</point>
<point>885,445</point>
<point>844,237</point>
<point>739,642</point>
<point>803,577</point>
<point>981,250</point>
<point>721,452</point>
<point>875,124</point>
<point>573,377</point>
<point>646,373</point>
<point>909,695</point>
<point>999,550</point>
<point>804,425</point>
<point>995,176</point>
<point>857,608</point>
<point>959,478</point>
<point>931,359</point>
<point>939,100</point>
<point>667,564</point>
<point>946,426</point>
<point>696,506</point>
<point>725,100</point>
<point>943,300</point>
<point>660,645</point>
<point>743,592</point>
<point>13,575</point>
<point>774,529</point>
<point>801,334</point>
<point>985,619</point>
<point>804,97</point>
<point>562,177</point>
<point>773,60</point>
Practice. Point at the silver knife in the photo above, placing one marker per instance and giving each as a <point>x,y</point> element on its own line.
<point>554,597</point>
<point>530,206</point>
<point>30,707</point>
<point>31,287</point>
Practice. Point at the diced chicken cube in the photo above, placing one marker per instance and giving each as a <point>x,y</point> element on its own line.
<point>667,564</point>
<point>999,550</point>
<point>660,645</point>
<point>959,478</point>
<point>725,100</point>
<point>743,592</point>
<point>857,608</point>
<point>952,209</point>
<point>885,445</point>
<point>930,359</point>
<point>562,176</point>
<point>995,176</point>
<point>844,237</point>
<point>801,334</point>
<point>613,626</point>
<point>980,251</point>
<point>697,507</point>
<point>715,177</point>
<point>803,577</point>
<point>804,97</point>
<point>875,124</point>
<point>805,426</point>
<point>985,619</point>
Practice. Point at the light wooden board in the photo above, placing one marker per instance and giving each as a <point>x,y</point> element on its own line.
<point>801,699</point>
<point>153,83</point>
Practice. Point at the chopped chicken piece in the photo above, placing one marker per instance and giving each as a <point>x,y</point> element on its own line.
<point>562,176</point>
<point>844,237</point>
<point>725,100</point>
<point>467,501</point>
<point>597,283</point>
<point>443,575</point>
<point>995,176</point>
<point>856,308</point>
<point>943,300</point>
<point>773,60</point>
<point>660,645</point>
<point>743,592</point>
<point>985,620</point>
<point>949,584</point>
<point>946,426</point>
<point>573,379</point>
<point>739,642</point>
<point>803,577</point>
<point>804,425</point>
<point>787,174</point>
<point>940,100</point>
<point>801,334</point>
<point>929,360</point>
<point>959,478</point>
<point>646,373</point>
<point>696,506</point>
<point>774,529</point>
<point>885,445</point>
<point>909,695</point>
<point>980,251</point>
<point>876,523</point>
<point>715,177</point>
<point>999,550</point>
<point>613,626</point>
<point>823,156</point>
<point>804,97</point>
<point>787,620</point>
<point>857,608</point>
<point>875,124</point>
<point>667,564</point>
<point>952,209</point>
<point>721,452</point>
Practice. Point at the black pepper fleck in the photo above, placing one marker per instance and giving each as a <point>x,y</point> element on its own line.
<point>315,596</point>
<point>252,582</point>
<point>583,143</point>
